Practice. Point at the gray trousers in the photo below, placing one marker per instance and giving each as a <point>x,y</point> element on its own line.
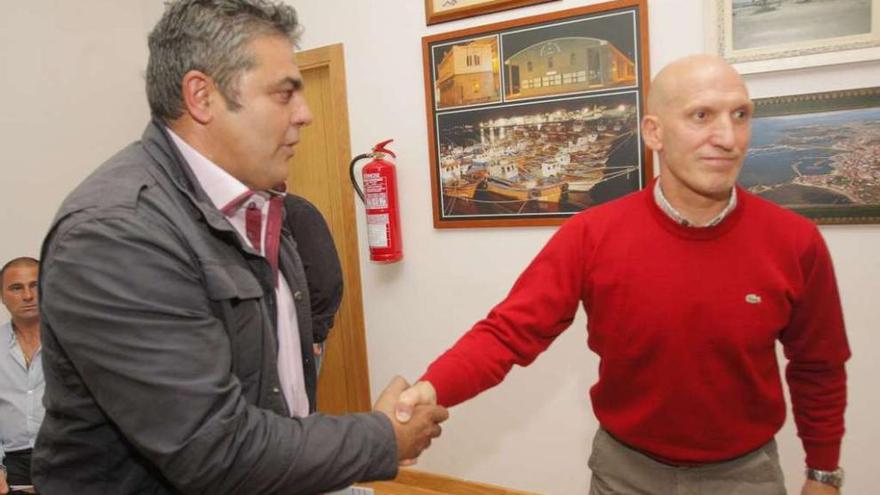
<point>620,470</point>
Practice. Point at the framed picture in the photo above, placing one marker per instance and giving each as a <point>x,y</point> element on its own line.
<point>437,11</point>
<point>818,154</point>
<point>769,35</point>
<point>533,120</point>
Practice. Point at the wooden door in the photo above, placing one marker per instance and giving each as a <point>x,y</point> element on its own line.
<point>319,172</point>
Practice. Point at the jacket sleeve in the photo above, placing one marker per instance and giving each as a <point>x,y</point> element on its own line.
<point>128,305</point>
<point>816,346</point>
<point>317,250</point>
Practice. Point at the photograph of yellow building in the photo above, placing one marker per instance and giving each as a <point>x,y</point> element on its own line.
<point>594,54</point>
<point>467,73</point>
<point>566,65</point>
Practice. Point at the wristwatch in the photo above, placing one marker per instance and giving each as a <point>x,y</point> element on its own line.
<point>832,478</point>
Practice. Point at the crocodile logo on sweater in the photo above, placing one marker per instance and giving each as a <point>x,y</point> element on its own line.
<point>753,299</point>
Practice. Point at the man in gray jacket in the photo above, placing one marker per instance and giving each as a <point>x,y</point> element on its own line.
<point>177,336</point>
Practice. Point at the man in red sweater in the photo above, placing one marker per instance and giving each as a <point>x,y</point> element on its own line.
<point>689,395</point>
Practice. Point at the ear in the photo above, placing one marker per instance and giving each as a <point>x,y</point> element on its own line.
<point>198,89</point>
<point>652,132</point>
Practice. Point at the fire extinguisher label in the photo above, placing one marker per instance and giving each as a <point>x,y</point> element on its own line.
<point>376,191</point>
<point>377,230</point>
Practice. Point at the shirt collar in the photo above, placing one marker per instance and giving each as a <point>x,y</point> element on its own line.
<point>7,334</point>
<point>220,186</point>
<point>680,219</point>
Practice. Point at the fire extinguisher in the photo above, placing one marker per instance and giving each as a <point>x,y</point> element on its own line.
<point>380,201</point>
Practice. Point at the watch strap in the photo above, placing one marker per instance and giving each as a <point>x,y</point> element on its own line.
<point>832,478</point>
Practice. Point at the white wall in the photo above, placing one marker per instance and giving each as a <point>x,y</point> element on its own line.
<point>533,431</point>
<point>71,80</point>
<point>72,86</point>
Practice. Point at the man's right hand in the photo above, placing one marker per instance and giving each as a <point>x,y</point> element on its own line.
<point>415,435</point>
<point>420,393</point>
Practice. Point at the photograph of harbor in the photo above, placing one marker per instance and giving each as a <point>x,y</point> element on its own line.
<point>589,54</point>
<point>535,119</point>
<point>545,158</point>
<point>823,162</point>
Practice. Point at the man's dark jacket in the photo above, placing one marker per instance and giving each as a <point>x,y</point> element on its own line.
<point>320,261</point>
<point>160,351</point>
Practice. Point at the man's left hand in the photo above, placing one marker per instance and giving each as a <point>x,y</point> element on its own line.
<point>812,487</point>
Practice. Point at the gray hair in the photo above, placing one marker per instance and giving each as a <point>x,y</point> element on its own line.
<point>210,36</point>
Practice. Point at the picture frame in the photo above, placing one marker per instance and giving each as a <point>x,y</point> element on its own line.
<point>772,35</point>
<point>532,120</point>
<point>437,11</point>
<point>818,154</point>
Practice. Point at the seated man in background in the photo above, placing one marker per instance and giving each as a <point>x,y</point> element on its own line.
<point>21,371</point>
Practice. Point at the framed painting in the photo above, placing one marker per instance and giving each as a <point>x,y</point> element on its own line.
<point>818,154</point>
<point>437,11</point>
<point>769,35</point>
<point>533,120</point>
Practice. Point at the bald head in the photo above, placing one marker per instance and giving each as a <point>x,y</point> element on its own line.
<point>676,80</point>
<point>698,122</point>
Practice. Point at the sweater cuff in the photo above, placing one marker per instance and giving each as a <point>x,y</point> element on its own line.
<point>823,456</point>
<point>443,397</point>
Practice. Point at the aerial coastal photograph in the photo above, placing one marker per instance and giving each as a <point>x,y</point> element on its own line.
<point>824,164</point>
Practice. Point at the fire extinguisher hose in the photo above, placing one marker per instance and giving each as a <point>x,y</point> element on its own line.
<point>354,181</point>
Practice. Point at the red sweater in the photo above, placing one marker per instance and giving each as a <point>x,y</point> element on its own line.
<point>684,321</point>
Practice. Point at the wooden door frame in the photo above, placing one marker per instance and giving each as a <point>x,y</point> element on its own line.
<point>354,348</point>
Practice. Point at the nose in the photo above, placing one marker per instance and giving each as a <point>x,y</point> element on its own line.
<point>724,135</point>
<point>30,293</point>
<point>302,114</point>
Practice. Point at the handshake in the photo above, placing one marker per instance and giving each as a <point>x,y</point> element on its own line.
<point>414,414</point>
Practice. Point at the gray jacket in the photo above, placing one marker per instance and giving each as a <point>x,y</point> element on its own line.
<point>160,351</point>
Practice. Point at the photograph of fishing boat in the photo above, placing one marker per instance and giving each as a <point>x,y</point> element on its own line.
<point>543,158</point>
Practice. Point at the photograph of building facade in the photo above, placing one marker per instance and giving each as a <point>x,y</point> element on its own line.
<point>467,73</point>
<point>566,65</point>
